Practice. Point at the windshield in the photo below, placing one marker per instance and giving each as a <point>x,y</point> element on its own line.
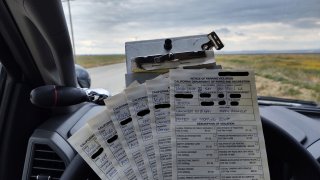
<point>279,40</point>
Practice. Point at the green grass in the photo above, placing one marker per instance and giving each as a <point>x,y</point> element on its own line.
<point>89,61</point>
<point>293,92</point>
<point>298,70</point>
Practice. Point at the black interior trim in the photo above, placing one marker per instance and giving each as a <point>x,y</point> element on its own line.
<point>16,126</point>
<point>287,158</point>
<point>44,29</point>
<point>14,53</point>
<point>3,77</point>
<point>78,169</point>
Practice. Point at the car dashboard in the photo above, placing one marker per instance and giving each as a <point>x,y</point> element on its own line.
<point>49,152</point>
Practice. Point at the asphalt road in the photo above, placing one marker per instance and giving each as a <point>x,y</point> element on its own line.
<point>109,77</point>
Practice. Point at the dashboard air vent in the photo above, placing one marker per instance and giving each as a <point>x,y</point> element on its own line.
<point>46,162</point>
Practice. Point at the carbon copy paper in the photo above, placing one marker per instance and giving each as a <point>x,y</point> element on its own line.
<point>107,135</point>
<point>216,126</point>
<point>118,109</point>
<point>86,144</point>
<point>159,105</point>
<point>138,105</point>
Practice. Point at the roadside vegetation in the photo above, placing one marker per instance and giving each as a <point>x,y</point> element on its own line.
<point>295,76</point>
<point>89,61</point>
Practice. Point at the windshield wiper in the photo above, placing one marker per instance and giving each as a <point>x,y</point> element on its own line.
<point>268,101</point>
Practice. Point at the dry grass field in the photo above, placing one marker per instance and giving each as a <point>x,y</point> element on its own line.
<point>89,61</point>
<point>294,76</point>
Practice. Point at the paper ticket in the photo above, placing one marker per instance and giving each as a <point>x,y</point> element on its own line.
<point>103,128</point>
<point>86,144</point>
<point>216,126</point>
<point>138,105</point>
<point>118,109</point>
<point>159,105</point>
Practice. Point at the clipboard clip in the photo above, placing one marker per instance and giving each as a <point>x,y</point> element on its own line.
<point>170,57</point>
<point>214,41</point>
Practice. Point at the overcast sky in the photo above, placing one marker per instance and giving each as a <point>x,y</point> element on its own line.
<point>103,26</point>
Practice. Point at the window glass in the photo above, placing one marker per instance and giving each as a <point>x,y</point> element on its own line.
<point>279,39</point>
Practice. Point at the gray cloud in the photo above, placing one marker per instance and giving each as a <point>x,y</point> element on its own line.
<point>162,13</point>
<point>157,14</point>
<point>223,30</point>
<point>305,23</point>
<point>240,33</point>
<point>97,19</point>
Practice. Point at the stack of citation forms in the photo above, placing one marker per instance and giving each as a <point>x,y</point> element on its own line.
<point>188,124</point>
